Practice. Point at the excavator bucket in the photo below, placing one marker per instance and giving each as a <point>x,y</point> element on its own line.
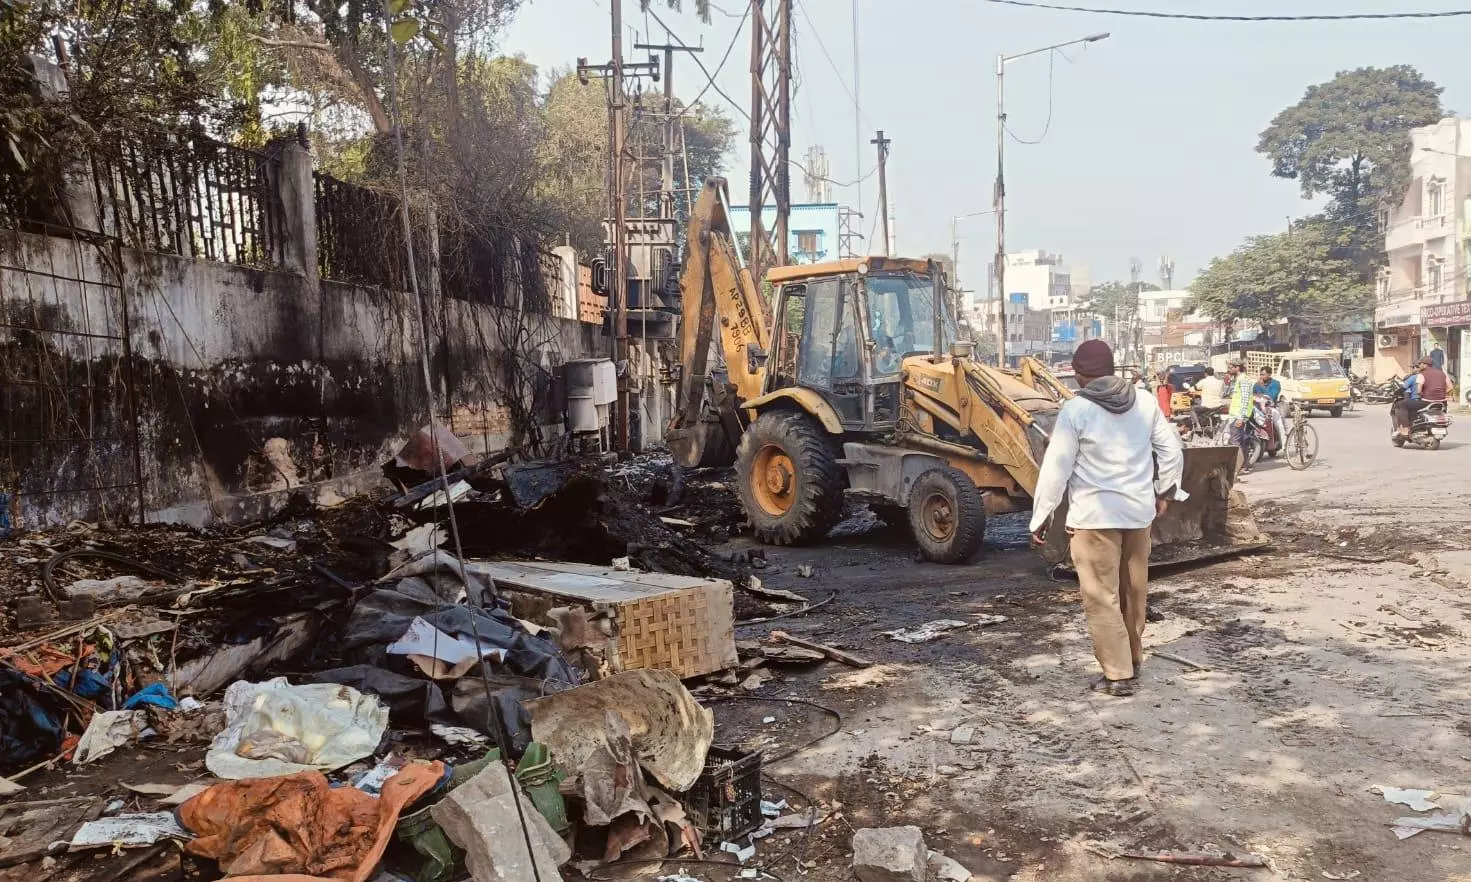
<point>1215,522</point>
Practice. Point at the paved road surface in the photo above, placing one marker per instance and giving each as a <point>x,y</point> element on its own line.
<point>1337,663</point>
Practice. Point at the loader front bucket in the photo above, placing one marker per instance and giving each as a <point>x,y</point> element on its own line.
<point>1215,522</point>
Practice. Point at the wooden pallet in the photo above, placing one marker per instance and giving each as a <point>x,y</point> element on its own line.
<point>682,624</point>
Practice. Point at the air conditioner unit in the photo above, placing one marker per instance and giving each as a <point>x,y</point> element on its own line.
<point>1388,341</point>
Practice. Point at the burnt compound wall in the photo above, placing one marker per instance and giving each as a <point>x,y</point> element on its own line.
<point>196,390</point>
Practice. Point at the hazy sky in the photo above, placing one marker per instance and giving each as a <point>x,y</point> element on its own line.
<point>1150,148</point>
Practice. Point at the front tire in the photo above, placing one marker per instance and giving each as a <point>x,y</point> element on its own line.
<point>1254,449</point>
<point>948,516</point>
<point>790,483</point>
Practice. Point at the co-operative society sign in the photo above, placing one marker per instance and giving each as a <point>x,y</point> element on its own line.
<point>1442,315</point>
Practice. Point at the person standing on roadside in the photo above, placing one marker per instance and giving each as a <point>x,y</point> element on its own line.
<point>1106,448</point>
<point>1239,409</point>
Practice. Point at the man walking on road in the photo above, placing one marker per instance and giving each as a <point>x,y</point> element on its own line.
<point>1104,452</point>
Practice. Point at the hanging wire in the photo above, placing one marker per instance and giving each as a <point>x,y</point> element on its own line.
<point>497,723</point>
<point>1139,13</point>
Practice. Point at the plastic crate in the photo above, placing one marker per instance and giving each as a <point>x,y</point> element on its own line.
<point>725,802</point>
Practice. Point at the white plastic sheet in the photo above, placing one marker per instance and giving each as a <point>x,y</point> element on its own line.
<point>336,725</point>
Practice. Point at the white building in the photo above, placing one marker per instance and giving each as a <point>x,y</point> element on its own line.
<point>1422,303</point>
<point>1041,276</point>
<point>1047,284</point>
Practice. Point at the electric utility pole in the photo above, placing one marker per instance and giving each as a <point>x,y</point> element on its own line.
<point>883,146</point>
<point>614,71</point>
<point>666,180</point>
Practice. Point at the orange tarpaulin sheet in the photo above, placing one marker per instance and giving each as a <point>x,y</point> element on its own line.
<point>298,828</point>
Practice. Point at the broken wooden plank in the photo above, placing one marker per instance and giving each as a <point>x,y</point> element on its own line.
<point>836,655</point>
<point>1179,660</point>
<point>1198,860</point>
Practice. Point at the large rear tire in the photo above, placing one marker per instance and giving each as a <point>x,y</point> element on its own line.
<point>790,483</point>
<point>948,516</point>
<point>1335,412</point>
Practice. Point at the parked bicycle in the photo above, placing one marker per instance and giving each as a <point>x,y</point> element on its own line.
<point>1302,440</point>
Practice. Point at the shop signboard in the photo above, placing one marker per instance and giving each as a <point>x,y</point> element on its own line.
<point>1445,315</point>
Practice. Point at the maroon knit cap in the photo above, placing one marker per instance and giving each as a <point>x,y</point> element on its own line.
<point>1093,359</point>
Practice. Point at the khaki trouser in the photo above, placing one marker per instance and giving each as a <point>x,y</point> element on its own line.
<point>1113,569</point>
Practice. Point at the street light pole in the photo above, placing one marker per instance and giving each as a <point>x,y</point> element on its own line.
<point>955,241</point>
<point>1000,195</point>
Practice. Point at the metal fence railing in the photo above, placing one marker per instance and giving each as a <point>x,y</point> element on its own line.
<point>191,196</point>
<point>359,235</point>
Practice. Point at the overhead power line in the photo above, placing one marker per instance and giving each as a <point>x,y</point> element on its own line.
<point>1140,13</point>
<point>703,69</point>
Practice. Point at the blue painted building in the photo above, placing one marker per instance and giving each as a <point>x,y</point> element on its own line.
<point>812,230</point>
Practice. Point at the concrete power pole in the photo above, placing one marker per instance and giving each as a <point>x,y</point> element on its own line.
<point>771,132</point>
<point>667,190</point>
<point>883,147</point>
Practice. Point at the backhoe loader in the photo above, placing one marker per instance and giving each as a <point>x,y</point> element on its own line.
<point>857,382</point>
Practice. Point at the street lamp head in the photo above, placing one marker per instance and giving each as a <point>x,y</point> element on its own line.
<point>1096,37</point>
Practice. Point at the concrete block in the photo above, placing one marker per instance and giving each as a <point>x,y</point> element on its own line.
<point>890,854</point>
<point>480,817</point>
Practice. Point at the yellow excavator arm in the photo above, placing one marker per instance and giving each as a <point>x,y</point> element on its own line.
<point>722,308</point>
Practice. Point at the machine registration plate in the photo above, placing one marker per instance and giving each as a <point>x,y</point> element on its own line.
<point>1325,400</point>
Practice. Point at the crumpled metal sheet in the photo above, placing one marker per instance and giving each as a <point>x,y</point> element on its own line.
<point>420,450</point>
<point>669,730</point>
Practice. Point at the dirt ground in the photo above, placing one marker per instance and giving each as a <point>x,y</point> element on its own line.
<point>1336,663</point>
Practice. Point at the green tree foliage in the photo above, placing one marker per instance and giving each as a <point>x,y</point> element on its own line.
<point>574,153</point>
<point>1111,300</point>
<point>1349,139</point>
<point>1301,277</point>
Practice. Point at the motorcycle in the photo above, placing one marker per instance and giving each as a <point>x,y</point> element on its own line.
<point>1430,425</point>
<point>1384,393</point>
<point>1262,436</point>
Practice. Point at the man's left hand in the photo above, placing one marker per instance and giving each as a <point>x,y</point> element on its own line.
<point>1160,505</point>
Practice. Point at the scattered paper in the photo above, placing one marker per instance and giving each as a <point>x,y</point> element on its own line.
<point>425,644</point>
<point>772,809</point>
<point>926,632</point>
<point>457,491</point>
<point>186,793</point>
<point>459,735</point>
<point>795,821</point>
<point>372,781</point>
<point>108,731</point>
<point>9,787</point>
<point>129,831</point>
<point>742,854</point>
<point>152,789</point>
<point>1419,800</point>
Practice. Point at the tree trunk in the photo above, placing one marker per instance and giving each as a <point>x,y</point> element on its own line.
<point>347,55</point>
